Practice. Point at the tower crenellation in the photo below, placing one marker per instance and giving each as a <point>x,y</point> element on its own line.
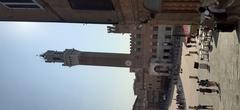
<point>53,56</point>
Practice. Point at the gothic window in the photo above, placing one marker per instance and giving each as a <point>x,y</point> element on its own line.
<point>167,36</point>
<point>155,36</point>
<point>100,5</point>
<point>167,44</point>
<point>168,28</point>
<point>154,50</point>
<point>163,71</point>
<point>155,28</point>
<point>166,50</point>
<point>154,56</point>
<point>20,4</point>
<point>138,43</point>
<point>154,43</point>
<point>138,49</point>
<point>165,57</point>
<point>138,36</point>
<point>169,62</point>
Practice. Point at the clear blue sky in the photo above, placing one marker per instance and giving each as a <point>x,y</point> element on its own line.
<point>28,83</point>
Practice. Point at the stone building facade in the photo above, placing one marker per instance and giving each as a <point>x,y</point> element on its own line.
<point>122,13</point>
<point>154,49</point>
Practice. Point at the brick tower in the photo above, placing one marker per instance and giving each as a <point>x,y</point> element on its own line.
<point>71,57</point>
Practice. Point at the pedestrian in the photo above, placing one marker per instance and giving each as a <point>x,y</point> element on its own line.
<point>179,91</point>
<point>180,107</point>
<point>206,90</point>
<point>179,102</point>
<point>188,54</point>
<point>188,46</point>
<point>208,107</point>
<point>212,11</point>
<point>207,83</point>
<point>194,35</point>
<point>202,82</point>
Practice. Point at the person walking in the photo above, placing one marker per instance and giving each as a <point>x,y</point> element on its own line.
<point>213,11</point>
<point>208,107</point>
<point>207,83</point>
<point>206,90</point>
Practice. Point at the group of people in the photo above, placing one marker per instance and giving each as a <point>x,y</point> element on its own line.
<point>180,99</point>
<point>199,107</point>
<point>207,84</point>
<point>201,40</point>
<point>208,88</point>
<point>204,39</point>
<point>217,17</point>
<point>202,43</point>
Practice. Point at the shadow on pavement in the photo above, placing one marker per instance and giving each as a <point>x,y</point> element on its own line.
<point>238,33</point>
<point>215,38</point>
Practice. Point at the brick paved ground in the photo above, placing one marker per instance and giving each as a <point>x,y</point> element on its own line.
<point>224,68</point>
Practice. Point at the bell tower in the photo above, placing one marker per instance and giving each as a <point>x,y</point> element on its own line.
<point>72,57</point>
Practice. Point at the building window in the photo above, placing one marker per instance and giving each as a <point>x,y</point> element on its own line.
<point>165,57</point>
<point>21,4</point>
<point>138,49</point>
<point>154,56</point>
<point>154,43</point>
<point>138,42</point>
<point>167,36</point>
<point>155,36</point>
<point>163,71</point>
<point>167,44</point>
<point>169,62</point>
<point>154,50</point>
<point>100,5</point>
<point>155,28</point>
<point>166,50</point>
<point>138,36</point>
<point>168,28</point>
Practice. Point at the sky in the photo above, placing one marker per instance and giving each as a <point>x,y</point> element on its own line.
<point>28,83</point>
